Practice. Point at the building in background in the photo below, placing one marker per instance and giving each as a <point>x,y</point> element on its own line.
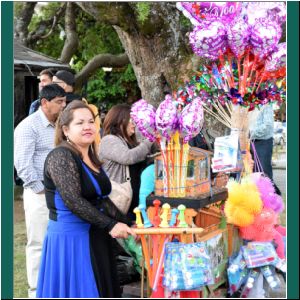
<point>27,66</point>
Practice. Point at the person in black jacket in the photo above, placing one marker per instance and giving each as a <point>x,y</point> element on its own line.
<point>77,261</point>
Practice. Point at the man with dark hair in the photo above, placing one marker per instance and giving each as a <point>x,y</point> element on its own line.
<point>66,80</point>
<point>45,78</point>
<point>33,140</point>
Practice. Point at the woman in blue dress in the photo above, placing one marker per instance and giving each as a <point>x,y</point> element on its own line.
<point>77,259</point>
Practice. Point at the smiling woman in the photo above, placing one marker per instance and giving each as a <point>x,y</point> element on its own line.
<point>83,220</point>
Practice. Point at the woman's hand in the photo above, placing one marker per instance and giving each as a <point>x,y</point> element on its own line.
<point>121,230</point>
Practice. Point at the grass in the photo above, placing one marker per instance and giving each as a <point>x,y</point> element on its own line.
<point>20,276</point>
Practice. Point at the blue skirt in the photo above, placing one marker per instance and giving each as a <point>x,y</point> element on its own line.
<point>66,268</point>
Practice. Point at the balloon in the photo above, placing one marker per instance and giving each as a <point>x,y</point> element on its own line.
<point>196,12</point>
<point>277,58</point>
<point>143,115</point>
<point>265,35</point>
<point>238,33</point>
<point>191,120</point>
<point>208,39</point>
<point>275,11</point>
<point>225,11</point>
<point>166,118</point>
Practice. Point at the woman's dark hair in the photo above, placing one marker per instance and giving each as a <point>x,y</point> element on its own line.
<point>64,119</point>
<point>116,122</point>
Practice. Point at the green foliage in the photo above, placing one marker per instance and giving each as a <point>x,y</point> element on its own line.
<point>143,9</point>
<point>17,8</point>
<point>114,87</point>
<point>52,45</point>
<point>94,38</point>
<point>185,23</point>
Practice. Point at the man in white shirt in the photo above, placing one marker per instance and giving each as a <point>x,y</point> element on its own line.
<point>33,140</point>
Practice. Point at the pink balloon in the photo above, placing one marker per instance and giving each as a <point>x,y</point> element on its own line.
<point>166,118</point>
<point>143,115</point>
<point>265,35</point>
<point>191,120</point>
<point>196,12</point>
<point>275,11</point>
<point>277,59</point>
<point>208,39</point>
<point>220,10</point>
<point>238,33</point>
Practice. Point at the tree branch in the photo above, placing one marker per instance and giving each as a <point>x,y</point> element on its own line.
<point>39,33</point>
<point>112,13</point>
<point>71,42</point>
<point>23,18</point>
<point>100,60</point>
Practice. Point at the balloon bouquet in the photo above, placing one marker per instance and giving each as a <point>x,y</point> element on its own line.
<point>247,70</point>
<point>248,65</point>
<point>172,129</point>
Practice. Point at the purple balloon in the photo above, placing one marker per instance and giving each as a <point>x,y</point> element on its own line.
<point>166,118</point>
<point>208,39</point>
<point>265,35</point>
<point>196,12</point>
<point>238,34</point>
<point>225,11</point>
<point>191,120</point>
<point>143,115</point>
<point>275,11</point>
<point>277,59</point>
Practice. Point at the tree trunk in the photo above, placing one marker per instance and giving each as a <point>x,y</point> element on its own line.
<point>156,48</point>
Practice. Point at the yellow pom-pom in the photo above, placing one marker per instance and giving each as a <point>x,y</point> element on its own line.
<point>243,202</point>
<point>228,210</point>
<point>252,201</point>
<point>242,217</point>
<point>237,215</point>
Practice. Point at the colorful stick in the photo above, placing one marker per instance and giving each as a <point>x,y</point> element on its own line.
<point>160,264</point>
<point>147,223</point>
<point>181,217</point>
<point>177,163</point>
<point>156,219</point>
<point>174,213</point>
<point>138,221</point>
<point>164,216</point>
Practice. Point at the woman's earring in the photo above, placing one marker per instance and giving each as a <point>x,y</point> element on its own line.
<point>68,140</point>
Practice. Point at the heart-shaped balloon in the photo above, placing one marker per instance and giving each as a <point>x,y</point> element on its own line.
<point>265,35</point>
<point>275,11</point>
<point>143,115</point>
<point>238,34</point>
<point>166,118</point>
<point>196,12</point>
<point>277,59</point>
<point>191,120</point>
<point>208,39</point>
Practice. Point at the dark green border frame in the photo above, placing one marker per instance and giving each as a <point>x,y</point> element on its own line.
<point>7,153</point>
<point>293,150</point>
<point>7,149</point>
